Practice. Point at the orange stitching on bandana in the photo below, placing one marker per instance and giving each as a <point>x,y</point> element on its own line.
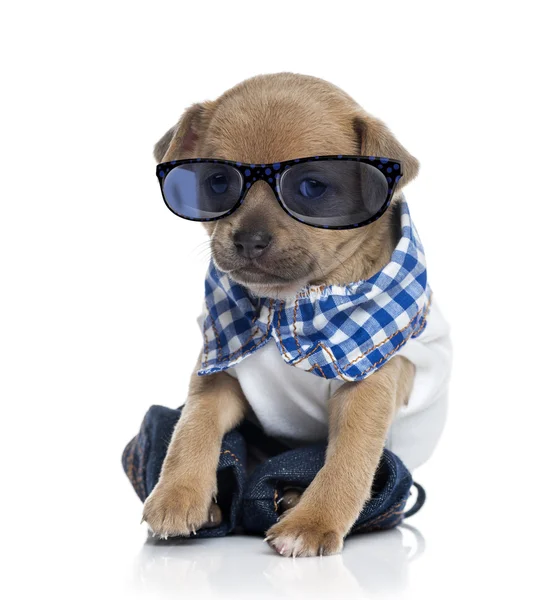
<point>220,351</point>
<point>276,508</point>
<point>369,350</point>
<point>264,336</point>
<point>334,362</point>
<point>425,308</point>
<point>206,347</point>
<point>279,331</point>
<point>386,356</point>
<point>422,326</point>
<point>230,356</point>
<point>317,366</point>
<point>256,314</point>
<point>269,320</point>
<point>383,359</point>
<point>295,325</point>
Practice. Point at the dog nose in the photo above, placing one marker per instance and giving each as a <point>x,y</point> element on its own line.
<point>251,244</point>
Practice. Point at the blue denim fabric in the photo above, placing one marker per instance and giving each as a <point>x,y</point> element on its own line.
<point>253,502</point>
<point>298,467</point>
<point>143,458</point>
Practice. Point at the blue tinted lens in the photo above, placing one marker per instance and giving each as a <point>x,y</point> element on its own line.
<point>334,193</point>
<point>202,191</point>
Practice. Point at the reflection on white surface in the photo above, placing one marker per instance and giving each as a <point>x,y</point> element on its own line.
<point>241,566</point>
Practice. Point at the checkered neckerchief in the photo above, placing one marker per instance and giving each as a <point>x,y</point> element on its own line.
<point>336,332</point>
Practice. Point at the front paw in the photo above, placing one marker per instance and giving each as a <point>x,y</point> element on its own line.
<point>179,510</point>
<point>300,533</point>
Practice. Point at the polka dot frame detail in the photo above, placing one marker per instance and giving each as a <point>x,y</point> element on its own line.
<point>272,174</point>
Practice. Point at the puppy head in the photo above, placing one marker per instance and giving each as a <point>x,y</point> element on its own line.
<point>272,118</point>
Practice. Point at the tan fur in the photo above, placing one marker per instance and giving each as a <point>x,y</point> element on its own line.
<point>180,502</point>
<point>359,417</point>
<point>268,119</point>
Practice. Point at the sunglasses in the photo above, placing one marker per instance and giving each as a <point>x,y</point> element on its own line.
<point>330,192</point>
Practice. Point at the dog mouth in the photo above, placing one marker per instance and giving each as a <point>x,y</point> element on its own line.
<point>263,283</point>
<point>255,273</point>
<point>272,277</point>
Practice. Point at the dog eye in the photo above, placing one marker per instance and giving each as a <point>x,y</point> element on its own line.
<point>218,183</point>
<point>312,188</point>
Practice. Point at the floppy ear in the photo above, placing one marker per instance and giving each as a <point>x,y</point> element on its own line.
<point>377,140</point>
<point>181,140</point>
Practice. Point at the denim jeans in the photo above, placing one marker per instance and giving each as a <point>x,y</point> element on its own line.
<point>249,499</point>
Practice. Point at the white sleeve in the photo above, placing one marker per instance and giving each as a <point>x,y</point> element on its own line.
<point>419,425</point>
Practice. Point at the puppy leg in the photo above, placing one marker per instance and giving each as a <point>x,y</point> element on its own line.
<point>360,416</point>
<point>180,502</point>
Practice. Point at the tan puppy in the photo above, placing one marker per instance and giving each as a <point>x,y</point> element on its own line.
<point>266,119</point>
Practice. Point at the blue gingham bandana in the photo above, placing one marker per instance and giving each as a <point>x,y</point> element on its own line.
<point>336,332</point>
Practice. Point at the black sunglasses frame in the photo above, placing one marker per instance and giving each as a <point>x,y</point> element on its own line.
<point>271,173</point>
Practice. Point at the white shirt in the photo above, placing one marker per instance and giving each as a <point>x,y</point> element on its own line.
<point>292,404</point>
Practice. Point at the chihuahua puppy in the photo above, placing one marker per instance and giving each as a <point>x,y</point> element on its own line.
<point>267,119</point>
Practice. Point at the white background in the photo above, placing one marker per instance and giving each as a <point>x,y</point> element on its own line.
<point>101,284</point>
